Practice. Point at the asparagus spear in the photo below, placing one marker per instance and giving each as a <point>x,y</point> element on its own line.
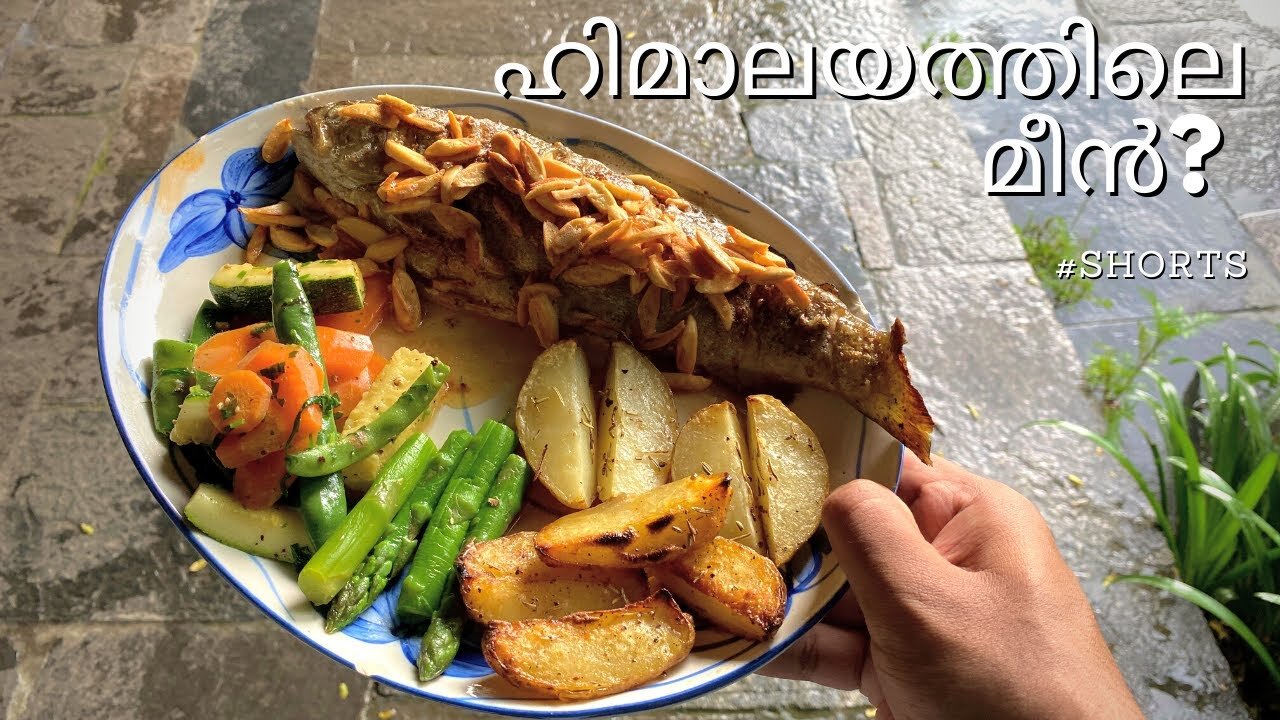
<point>424,584</point>
<point>340,556</point>
<point>372,577</point>
<point>444,635</point>
<point>337,453</point>
<point>323,499</point>
<point>170,379</point>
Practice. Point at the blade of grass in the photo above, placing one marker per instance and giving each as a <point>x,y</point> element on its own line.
<point>1211,606</point>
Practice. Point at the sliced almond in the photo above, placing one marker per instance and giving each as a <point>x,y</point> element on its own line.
<point>395,166</point>
<point>660,190</point>
<point>469,178</point>
<point>257,242</point>
<point>796,294</point>
<point>455,127</point>
<point>322,235</point>
<point>446,183</point>
<point>277,143</point>
<point>718,285</point>
<point>422,123</point>
<point>602,199</point>
<point>687,346</point>
<point>559,208</point>
<point>662,339</point>
<point>407,155</point>
<point>762,275</point>
<point>360,229</point>
<point>336,208</point>
<point>547,186</point>
<point>638,283</point>
<point>408,112</point>
<point>367,266</point>
<point>277,209</point>
<point>604,234</point>
<point>683,382</point>
<point>570,236</point>
<point>648,309</point>
<point>414,187</point>
<point>453,149</point>
<point>320,138</point>
<point>405,302</point>
<point>658,274</point>
<point>556,169</point>
<point>373,113</point>
<point>745,242</point>
<point>456,222</point>
<point>506,145</point>
<point>681,293</point>
<point>720,304</point>
<point>715,252</point>
<point>531,163</point>
<point>622,192</point>
<point>386,249</point>
<point>289,241</point>
<point>304,187</point>
<point>506,174</point>
<point>592,275</point>
<point>415,205</point>
<point>545,319</point>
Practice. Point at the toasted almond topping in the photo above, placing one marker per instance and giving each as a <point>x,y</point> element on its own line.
<point>716,252</point>
<point>593,275</point>
<point>638,283</point>
<point>455,128</point>
<point>474,248</point>
<point>747,244</point>
<point>360,229</point>
<point>753,273</point>
<point>395,167</point>
<point>719,284</point>
<point>415,205</point>
<point>648,309</point>
<point>336,208</point>
<point>458,223</point>
<point>531,163</point>
<point>396,105</point>
<point>561,208</point>
<point>658,274</point>
<point>275,209</point>
<point>505,144</point>
<point>506,174</point>
<point>277,143</point>
<point>604,234</point>
<point>559,240</point>
<point>720,304</point>
<point>538,211</point>
<point>288,240</point>
<point>414,187</point>
<point>573,193</point>
<point>469,178</point>
<point>422,123</point>
<point>683,382</point>
<point>662,339</point>
<point>320,139</point>
<point>407,155</point>
<point>679,204</point>
<point>601,198</point>
<point>446,183</point>
<point>622,192</point>
<point>363,210</point>
<point>687,347</point>
<point>547,186</point>
<point>545,319</point>
<point>796,294</point>
<point>453,149</point>
<point>386,249</point>
<point>367,266</point>
<point>373,113</point>
<point>660,190</point>
<point>681,293</point>
<point>304,187</point>
<point>556,169</point>
<point>322,235</point>
<point>257,241</point>
<point>405,301</point>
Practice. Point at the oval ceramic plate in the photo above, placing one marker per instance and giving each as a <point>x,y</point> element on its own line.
<point>183,225</point>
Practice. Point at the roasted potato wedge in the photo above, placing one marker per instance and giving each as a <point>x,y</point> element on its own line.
<point>637,530</point>
<point>791,469</point>
<point>637,425</point>
<point>539,495</point>
<point>729,584</point>
<point>712,441</point>
<point>555,419</point>
<point>506,580</point>
<point>591,654</point>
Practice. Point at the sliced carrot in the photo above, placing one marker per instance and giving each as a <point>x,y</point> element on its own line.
<point>345,353</point>
<point>376,363</point>
<point>239,402</point>
<point>377,297</point>
<point>260,483</point>
<point>221,353</point>
<point>349,392</point>
<point>293,378</point>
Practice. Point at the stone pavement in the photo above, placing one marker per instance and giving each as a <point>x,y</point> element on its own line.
<point>114,625</point>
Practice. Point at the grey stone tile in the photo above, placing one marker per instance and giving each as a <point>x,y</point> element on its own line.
<point>796,131</point>
<point>807,197</point>
<point>1264,228</point>
<point>1115,12</point>
<point>36,208</point>
<point>330,71</point>
<point>857,184</point>
<point>741,23</point>
<point>187,670</point>
<point>63,81</point>
<point>244,63</point>
<point>152,103</point>
<point>13,16</point>
<point>71,468</point>
<point>474,72</point>
<point>104,22</point>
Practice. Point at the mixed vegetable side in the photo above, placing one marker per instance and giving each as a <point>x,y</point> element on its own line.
<point>312,449</point>
<point>285,415</point>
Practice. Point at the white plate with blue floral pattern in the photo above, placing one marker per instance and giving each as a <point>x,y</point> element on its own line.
<point>183,225</point>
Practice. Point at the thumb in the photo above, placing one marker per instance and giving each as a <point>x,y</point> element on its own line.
<point>891,567</point>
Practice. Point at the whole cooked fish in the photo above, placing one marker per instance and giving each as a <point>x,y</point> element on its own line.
<point>506,224</point>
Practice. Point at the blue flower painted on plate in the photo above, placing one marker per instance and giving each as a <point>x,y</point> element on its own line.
<point>377,624</point>
<point>209,221</point>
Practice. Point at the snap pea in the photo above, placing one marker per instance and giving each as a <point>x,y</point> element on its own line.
<point>170,380</point>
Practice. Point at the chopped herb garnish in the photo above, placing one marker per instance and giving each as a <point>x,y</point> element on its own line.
<point>271,372</point>
<point>258,331</point>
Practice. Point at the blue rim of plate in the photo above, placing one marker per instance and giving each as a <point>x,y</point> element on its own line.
<point>175,516</point>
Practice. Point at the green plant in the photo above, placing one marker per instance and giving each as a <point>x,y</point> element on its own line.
<point>964,68</point>
<point>1216,493</point>
<point>1111,374</point>
<point>1048,242</point>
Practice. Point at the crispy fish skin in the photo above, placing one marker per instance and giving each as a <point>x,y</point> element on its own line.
<point>771,340</point>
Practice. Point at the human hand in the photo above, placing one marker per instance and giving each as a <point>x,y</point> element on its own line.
<point>960,605</point>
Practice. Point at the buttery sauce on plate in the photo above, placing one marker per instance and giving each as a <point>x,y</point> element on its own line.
<point>485,356</point>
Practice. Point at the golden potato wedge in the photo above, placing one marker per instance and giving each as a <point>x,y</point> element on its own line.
<point>729,584</point>
<point>505,580</point>
<point>555,419</point>
<point>792,472</point>
<point>637,530</point>
<point>637,425</point>
<point>591,654</point>
<point>712,441</point>
<point>539,495</point>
